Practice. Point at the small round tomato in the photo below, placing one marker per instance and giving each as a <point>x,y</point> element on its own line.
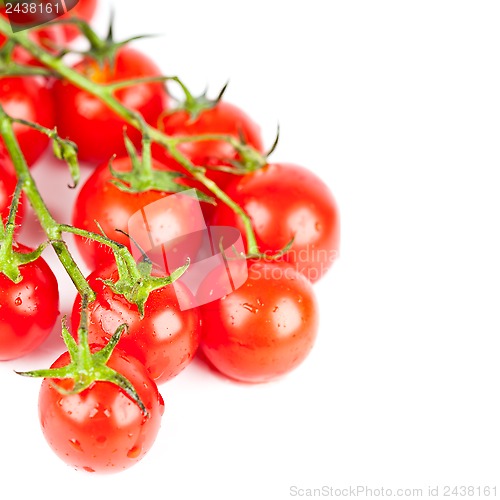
<point>89,122</point>
<point>101,201</point>
<point>223,118</point>
<point>101,429</point>
<point>28,97</point>
<point>285,202</point>
<point>265,328</point>
<point>85,10</point>
<point>165,340</point>
<point>28,310</point>
<point>8,181</point>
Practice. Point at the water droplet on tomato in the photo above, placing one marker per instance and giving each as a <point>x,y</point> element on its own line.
<point>18,301</point>
<point>250,307</point>
<point>134,452</point>
<point>75,444</point>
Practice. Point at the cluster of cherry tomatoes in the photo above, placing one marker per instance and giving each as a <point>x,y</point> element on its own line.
<point>259,332</point>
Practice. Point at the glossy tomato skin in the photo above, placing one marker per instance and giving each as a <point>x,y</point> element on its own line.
<point>95,128</point>
<point>8,181</point>
<point>28,310</point>
<point>101,429</point>
<point>284,202</point>
<point>165,340</point>
<point>265,328</point>
<point>223,118</point>
<point>84,9</point>
<point>101,200</point>
<point>29,98</point>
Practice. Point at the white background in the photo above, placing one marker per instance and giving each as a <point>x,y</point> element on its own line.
<point>396,105</point>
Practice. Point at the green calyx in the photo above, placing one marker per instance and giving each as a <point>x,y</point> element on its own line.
<point>135,281</point>
<point>143,177</point>
<point>86,367</point>
<point>101,50</point>
<point>250,159</point>
<point>10,260</point>
<point>195,105</point>
<point>63,149</point>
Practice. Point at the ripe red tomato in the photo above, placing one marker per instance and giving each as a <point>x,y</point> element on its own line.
<point>286,201</point>
<point>101,429</point>
<point>28,97</point>
<point>95,128</point>
<point>28,310</point>
<point>85,10</point>
<point>165,340</point>
<point>223,118</point>
<point>100,200</point>
<point>8,181</point>
<point>265,328</point>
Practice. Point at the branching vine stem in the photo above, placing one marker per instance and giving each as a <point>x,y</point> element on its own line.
<point>50,226</point>
<point>106,94</point>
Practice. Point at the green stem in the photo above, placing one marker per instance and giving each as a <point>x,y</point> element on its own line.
<point>135,119</point>
<point>50,226</point>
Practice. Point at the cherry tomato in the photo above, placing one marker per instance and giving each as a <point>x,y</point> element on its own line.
<point>101,429</point>
<point>85,10</point>
<point>89,122</point>
<point>285,202</point>
<point>165,340</point>
<point>8,181</point>
<point>100,200</point>
<point>265,328</point>
<point>28,310</point>
<point>28,97</point>
<point>223,118</point>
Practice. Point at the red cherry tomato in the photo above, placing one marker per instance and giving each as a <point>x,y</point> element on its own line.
<point>28,310</point>
<point>8,181</point>
<point>100,200</point>
<point>88,121</point>
<point>223,118</point>
<point>285,202</point>
<point>165,340</point>
<point>101,429</point>
<point>265,328</point>
<point>85,10</point>
<point>28,97</point>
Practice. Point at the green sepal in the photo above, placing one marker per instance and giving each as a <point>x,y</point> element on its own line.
<point>86,368</point>
<point>143,177</point>
<point>67,151</point>
<point>10,259</point>
<point>250,159</point>
<point>194,106</point>
<point>137,292</point>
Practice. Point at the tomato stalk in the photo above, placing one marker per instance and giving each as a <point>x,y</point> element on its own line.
<point>50,226</point>
<point>87,367</point>
<point>106,94</point>
<point>135,281</point>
